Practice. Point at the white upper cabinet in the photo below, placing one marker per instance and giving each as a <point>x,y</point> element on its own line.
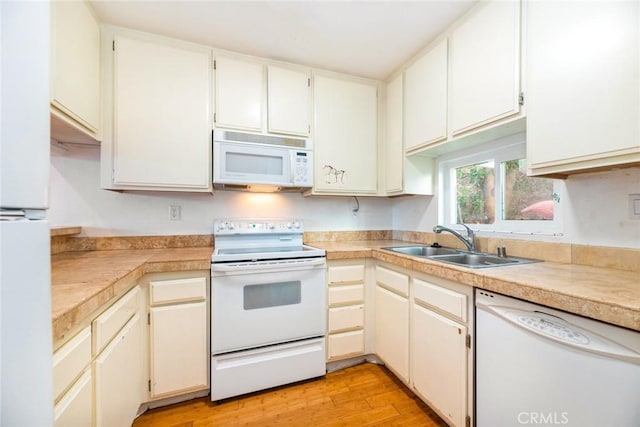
<point>289,101</point>
<point>161,115</point>
<point>239,93</point>
<point>485,66</point>
<point>393,145</point>
<point>582,86</point>
<point>253,96</point>
<point>75,72</point>
<point>425,99</point>
<point>403,175</point>
<point>345,135</point>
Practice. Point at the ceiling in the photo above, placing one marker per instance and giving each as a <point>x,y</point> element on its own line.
<point>365,38</point>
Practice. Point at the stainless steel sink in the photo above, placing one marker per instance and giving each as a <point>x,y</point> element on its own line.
<point>459,257</point>
<point>422,251</point>
<point>475,260</point>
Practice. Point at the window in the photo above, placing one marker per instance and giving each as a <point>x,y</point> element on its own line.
<point>488,187</point>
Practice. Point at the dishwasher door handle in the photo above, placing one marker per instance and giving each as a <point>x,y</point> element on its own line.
<point>561,331</point>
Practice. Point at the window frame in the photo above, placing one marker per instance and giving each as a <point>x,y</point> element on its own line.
<point>498,151</point>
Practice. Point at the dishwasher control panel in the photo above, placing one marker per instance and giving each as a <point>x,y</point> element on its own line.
<point>555,329</point>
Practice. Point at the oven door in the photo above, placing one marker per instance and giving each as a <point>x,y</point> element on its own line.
<point>262,303</point>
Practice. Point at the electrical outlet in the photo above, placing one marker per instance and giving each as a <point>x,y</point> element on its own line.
<point>175,212</point>
<point>634,206</point>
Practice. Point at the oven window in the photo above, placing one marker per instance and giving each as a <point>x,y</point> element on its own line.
<point>272,295</point>
<point>254,164</point>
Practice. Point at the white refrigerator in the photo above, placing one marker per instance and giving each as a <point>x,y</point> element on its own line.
<point>26,391</point>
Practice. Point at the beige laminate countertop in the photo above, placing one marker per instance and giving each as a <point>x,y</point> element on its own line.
<point>83,282</point>
<point>604,294</point>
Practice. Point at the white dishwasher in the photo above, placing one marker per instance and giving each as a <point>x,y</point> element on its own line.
<point>540,366</point>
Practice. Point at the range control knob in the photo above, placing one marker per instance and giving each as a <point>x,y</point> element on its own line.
<point>230,226</point>
<point>271,226</point>
<point>289,225</point>
<point>296,224</point>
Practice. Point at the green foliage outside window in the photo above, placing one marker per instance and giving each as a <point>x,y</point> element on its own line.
<point>524,198</point>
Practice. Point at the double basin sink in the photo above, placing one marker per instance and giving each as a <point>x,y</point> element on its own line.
<point>459,257</point>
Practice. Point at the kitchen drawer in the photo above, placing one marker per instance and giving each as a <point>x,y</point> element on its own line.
<point>342,318</point>
<point>393,281</point>
<point>443,299</point>
<point>70,360</point>
<point>109,323</point>
<point>346,294</point>
<point>345,344</point>
<point>75,408</point>
<point>179,290</point>
<point>345,273</point>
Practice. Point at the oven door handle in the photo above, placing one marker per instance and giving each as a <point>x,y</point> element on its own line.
<point>266,267</point>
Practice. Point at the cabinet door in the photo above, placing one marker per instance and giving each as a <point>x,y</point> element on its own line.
<point>75,62</point>
<point>439,363</point>
<point>392,331</point>
<point>179,351</point>
<point>425,99</point>
<point>582,85</point>
<point>162,115</point>
<point>289,100</point>
<point>485,64</point>
<point>345,141</point>
<point>120,377</point>
<point>239,94</point>
<point>75,408</point>
<point>393,146</point>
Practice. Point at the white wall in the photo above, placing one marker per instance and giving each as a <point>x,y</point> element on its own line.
<point>595,207</point>
<point>76,199</point>
<point>595,211</point>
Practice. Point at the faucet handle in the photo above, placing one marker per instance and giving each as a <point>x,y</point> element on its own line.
<point>470,232</point>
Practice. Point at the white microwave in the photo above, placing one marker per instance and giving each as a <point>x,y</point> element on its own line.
<point>256,162</point>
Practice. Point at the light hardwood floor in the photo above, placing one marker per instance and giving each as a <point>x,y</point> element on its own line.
<point>363,395</point>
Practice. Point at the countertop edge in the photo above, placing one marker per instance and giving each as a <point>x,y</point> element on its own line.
<point>81,314</point>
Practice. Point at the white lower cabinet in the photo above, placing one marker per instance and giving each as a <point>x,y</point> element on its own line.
<point>119,377</point>
<point>72,382</point>
<point>423,330</point>
<point>179,353</point>
<point>75,408</point>
<point>441,362</point>
<point>346,317</point>
<point>392,320</point>
<point>110,370</point>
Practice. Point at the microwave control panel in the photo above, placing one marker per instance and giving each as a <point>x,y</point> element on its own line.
<point>302,168</point>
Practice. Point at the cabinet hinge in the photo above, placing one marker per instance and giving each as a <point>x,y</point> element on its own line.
<point>521,99</point>
<point>149,385</point>
<point>148,318</point>
<point>214,64</point>
<point>467,341</point>
<point>467,421</point>
<point>113,45</point>
<point>309,126</point>
<point>309,82</point>
<point>214,117</point>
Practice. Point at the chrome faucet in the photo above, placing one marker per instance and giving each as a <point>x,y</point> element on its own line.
<point>469,241</point>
